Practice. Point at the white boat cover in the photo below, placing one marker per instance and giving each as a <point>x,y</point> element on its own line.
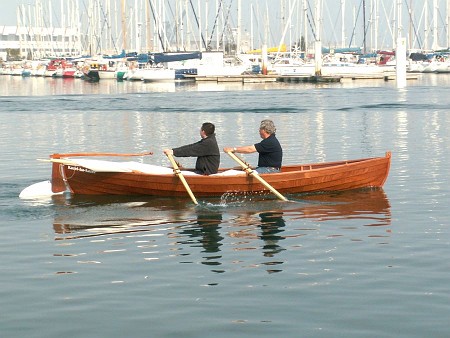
<point>124,167</point>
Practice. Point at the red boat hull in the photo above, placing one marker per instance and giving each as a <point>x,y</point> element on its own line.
<point>330,176</point>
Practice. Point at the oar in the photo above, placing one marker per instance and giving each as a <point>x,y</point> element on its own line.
<point>255,174</point>
<point>101,154</point>
<point>177,172</point>
<point>61,158</point>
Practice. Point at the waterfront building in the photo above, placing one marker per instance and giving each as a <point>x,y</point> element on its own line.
<point>18,43</point>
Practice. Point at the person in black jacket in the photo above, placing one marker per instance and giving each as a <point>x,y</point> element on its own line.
<point>206,150</point>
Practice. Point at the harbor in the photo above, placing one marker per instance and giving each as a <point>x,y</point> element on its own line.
<point>142,48</point>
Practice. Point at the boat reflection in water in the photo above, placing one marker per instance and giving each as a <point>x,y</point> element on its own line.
<point>216,230</point>
<point>370,206</point>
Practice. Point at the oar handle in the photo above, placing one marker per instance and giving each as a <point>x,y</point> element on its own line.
<point>255,174</point>
<point>178,173</point>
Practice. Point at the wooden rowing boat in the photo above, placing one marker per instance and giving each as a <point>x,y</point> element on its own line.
<point>80,174</point>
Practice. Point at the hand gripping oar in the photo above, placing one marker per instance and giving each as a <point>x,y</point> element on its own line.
<point>255,174</point>
<point>177,172</point>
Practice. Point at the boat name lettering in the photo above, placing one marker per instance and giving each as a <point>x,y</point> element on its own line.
<point>84,170</point>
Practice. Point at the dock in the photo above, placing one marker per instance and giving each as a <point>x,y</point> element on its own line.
<point>301,78</point>
<point>308,78</point>
<point>245,78</point>
<point>259,78</point>
<point>409,76</point>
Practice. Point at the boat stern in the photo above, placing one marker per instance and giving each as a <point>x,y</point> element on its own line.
<point>58,183</point>
<point>388,156</point>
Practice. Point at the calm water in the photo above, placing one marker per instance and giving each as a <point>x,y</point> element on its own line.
<point>370,263</point>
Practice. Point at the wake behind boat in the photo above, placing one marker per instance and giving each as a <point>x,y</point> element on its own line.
<point>81,175</point>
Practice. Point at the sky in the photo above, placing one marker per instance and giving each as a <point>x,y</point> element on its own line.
<point>8,7</point>
<point>8,12</point>
<point>331,16</point>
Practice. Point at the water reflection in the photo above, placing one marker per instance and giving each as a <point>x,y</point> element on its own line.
<point>92,216</point>
<point>205,233</point>
<point>214,232</point>
<point>370,207</point>
<point>272,225</point>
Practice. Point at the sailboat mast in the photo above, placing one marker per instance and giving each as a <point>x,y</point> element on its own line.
<point>364,27</point>
<point>305,24</point>
<point>20,24</point>
<point>199,26</point>
<point>138,25</point>
<point>206,24</point>
<point>425,33</point>
<point>400,52</point>
<point>219,29</point>
<point>448,23</point>
<point>148,35</point>
<point>239,25</point>
<point>435,24</point>
<point>124,25</point>
<point>375,19</point>
<point>251,28</point>
<point>343,23</point>
<point>410,24</point>
<point>318,43</point>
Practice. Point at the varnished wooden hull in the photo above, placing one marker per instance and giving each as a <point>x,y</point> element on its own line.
<point>330,176</point>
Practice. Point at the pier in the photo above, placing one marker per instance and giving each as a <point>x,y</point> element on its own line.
<point>259,78</point>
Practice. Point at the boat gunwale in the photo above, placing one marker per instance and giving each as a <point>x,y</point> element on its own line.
<point>307,167</point>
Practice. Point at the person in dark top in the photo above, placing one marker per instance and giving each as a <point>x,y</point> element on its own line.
<point>269,149</point>
<point>206,150</point>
